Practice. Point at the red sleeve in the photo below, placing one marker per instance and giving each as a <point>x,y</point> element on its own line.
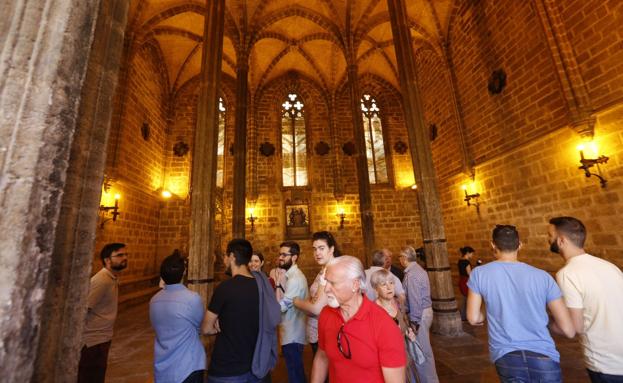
<point>391,343</point>
<point>322,319</point>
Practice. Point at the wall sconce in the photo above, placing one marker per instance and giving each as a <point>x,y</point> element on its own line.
<point>252,219</point>
<point>114,209</point>
<point>587,163</point>
<point>469,197</point>
<point>414,187</point>
<point>341,215</point>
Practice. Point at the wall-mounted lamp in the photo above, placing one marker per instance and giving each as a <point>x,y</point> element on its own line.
<point>252,219</point>
<point>414,187</point>
<point>587,163</point>
<point>114,209</point>
<point>471,199</point>
<point>341,215</point>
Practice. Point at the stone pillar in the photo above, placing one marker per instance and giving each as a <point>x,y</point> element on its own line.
<point>574,89</point>
<point>365,198</point>
<point>64,309</point>
<point>240,148</point>
<point>203,186</point>
<point>45,51</point>
<point>447,318</point>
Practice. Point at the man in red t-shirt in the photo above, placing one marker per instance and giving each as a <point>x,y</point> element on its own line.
<point>357,340</point>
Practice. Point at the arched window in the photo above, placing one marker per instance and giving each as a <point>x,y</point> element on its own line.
<point>293,142</point>
<point>375,147</point>
<point>220,151</point>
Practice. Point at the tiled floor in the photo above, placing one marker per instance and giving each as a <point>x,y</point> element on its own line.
<point>461,359</point>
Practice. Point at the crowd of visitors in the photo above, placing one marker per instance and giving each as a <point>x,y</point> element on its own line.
<point>368,325</point>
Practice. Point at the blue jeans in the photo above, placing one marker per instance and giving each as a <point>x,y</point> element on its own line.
<point>527,366</point>
<point>600,377</point>
<point>293,355</point>
<point>245,378</point>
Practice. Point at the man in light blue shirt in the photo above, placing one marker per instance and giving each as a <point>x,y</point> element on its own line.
<point>517,296</point>
<point>292,328</point>
<point>176,314</point>
<point>417,287</point>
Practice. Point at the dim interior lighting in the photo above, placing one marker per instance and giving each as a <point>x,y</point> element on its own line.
<point>252,219</point>
<point>113,211</point>
<point>341,214</point>
<point>471,198</point>
<point>590,149</point>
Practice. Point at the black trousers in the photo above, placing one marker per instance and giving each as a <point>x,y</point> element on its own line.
<point>195,377</point>
<point>93,362</point>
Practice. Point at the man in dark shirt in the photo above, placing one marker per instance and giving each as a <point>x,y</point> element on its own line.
<point>233,315</point>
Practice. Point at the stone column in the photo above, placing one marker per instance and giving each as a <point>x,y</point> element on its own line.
<point>203,186</point>
<point>447,318</point>
<point>240,148</point>
<point>365,198</point>
<point>338,189</point>
<point>45,52</point>
<point>574,89</point>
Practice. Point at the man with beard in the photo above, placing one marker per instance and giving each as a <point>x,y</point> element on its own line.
<point>592,290</point>
<point>369,346</point>
<point>232,316</point>
<point>101,314</point>
<point>292,328</point>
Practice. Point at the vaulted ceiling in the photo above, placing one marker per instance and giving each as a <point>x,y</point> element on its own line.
<point>314,37</point>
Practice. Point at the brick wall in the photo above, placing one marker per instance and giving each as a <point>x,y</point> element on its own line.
<point>488,35</point>
<point>138,169</point>
<point>596,29</point>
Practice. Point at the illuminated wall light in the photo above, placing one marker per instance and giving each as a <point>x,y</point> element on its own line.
<point>341,214</point>
<point>594,160</point>
<point>471,198</point>
<point>166,194</point>
<point>252,218</point>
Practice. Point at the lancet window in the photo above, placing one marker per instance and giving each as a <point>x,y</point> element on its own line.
<point>220,151</point>
<point>375,146</point>
<point>293,142</point>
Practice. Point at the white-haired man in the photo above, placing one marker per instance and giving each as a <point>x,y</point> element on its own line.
<point>369,346</point>
<point>417,287</point>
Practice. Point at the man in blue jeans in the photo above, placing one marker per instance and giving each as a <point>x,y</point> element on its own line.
<point>292,328</point>
<point>517,296</point>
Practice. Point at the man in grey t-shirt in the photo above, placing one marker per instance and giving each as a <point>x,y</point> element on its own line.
<point>101,314</point>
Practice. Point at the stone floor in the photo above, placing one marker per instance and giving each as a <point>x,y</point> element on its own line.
<point>462,359</point>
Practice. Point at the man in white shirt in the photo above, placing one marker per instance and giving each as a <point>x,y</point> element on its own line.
<point>292,327</point>
<point>592,289</point>
<point>378,262</point>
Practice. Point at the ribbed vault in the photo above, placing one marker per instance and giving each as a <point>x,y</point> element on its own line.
<point>318,38</point>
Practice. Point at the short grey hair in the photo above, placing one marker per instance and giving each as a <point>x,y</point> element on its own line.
<point>353,267</point>
<point>380,277</point>
<point>410,253</point>
<point>378,257</point>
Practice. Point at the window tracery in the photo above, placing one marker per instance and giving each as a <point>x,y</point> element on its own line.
<point>293,142</point>
<point>375,145</point>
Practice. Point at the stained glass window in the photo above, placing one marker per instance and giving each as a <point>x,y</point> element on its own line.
<point>293,142</point>
<point>375,146</point>
<point>220,151</point>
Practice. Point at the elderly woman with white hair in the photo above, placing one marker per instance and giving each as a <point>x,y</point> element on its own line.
<point>369,346</point>
<point>382,281</point>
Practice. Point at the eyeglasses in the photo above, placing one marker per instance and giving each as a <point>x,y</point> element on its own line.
<point>119,255</point>
<point>285,254</point>
<point>347,354</point>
